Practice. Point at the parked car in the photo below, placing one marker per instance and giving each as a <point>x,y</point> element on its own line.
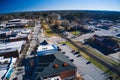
<point>67,56</point>
<point>71,60</point>
<point>63,52</point>
<point>78,55</point>
<point>63,44</point>
<point>88,62</point>
<point>73,51</point>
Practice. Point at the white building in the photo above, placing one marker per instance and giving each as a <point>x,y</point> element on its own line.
<point>2,26</point>
<point>11,49</point>
<point>45,48</point>
<point>15,23</point>
<point>6,67</point>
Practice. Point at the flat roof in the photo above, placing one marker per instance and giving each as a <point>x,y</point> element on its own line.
<point>17,32</point>
<point>4,66</point>
<point>46,47</point>
<point>5,47</point>
<point>2,73</point>
<point>6,71</point>
<point>44,65</point>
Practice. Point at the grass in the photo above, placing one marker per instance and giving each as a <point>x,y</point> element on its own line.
<point>45,27</point>
<point>48,31</point>
<point>100,66</point>
<point>102,56</point>
<point>116,39</point>
<point>69,44</point>
<point>75,33</point>
<point>103,68</point>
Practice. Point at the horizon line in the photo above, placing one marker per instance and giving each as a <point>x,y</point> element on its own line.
<point>54,10</point>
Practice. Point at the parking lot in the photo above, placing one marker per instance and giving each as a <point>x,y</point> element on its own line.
<point>85,68</point>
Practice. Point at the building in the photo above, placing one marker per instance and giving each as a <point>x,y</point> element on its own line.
<point>2,35</point>
<point>54,78</point>
<point>22,35</point>
<point>49,67</point>
<point>108,44</point>
<point>16,23</point>
<point>2,26</point>
<point>6,67</point>
<point>8,35</point>
<point>12,49</point>
<point>44,48</point>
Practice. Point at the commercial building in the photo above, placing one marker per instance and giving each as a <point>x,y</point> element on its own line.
<point>8,35</point>
<point>106,43</point>
<point>2,26</point>
<point>6,67</point>
<point>16,23</point>
<point>44,48</point>
<point>12,49</point>
<point>49,66</point>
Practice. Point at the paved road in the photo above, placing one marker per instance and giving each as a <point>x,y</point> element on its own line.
<point>35,40</point>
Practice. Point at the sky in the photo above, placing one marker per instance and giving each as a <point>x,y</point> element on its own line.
<point>7,6</point>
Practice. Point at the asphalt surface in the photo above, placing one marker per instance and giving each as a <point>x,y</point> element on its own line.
<point>87,71</point>
<point>98,59</point>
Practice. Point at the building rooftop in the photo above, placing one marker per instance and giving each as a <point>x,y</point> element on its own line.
<point>49,65</point>
<point>45,48</point>
<point>7,35</point>
<point>5,65</point>
<point>12,46</point>
<point>18,20</point>
<point>106,41</point>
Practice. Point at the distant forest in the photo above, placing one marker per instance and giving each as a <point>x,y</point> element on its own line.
<point>111,15</point>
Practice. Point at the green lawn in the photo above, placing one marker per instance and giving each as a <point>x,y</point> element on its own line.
<point>102,56</point>
<point>116,39</point>
<point>48,31</point>
<point>75,33</point>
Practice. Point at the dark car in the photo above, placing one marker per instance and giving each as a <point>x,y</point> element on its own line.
<point>73,37</point>
<point>58,48</point>
<point>78,55</point>
<point>67,56</point>
<point>63,44</point>
<point>73,51</point>
<point>110,78</point>
<point>71,60</point>
<point>88,62</point>
<point>63,52</point>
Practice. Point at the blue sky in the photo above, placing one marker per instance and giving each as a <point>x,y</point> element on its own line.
<point>7,6</point>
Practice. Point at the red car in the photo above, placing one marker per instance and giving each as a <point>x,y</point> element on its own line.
<point>72,51</point>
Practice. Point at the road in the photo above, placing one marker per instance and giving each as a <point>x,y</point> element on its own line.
<point>35,39</point>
